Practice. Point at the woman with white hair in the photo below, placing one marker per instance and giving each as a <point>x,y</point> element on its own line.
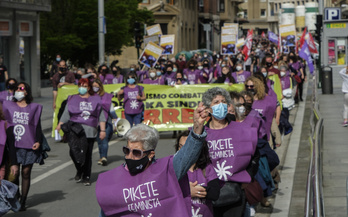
<point>232,147</point>
<point>144,186</point>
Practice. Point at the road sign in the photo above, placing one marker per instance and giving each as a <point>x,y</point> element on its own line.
<point>332,14</point>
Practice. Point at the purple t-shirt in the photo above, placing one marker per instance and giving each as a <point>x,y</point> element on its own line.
<point>5,96</point>
<point>157,81</point>
<point>241,78</point>
<point>169,78</point>
<point>131,104</point>
<point>202,207</point>
<point>192,77</point>
<point>286,81</point>
<point>231,150</point>
<point>24,121</point>
<point>267,108</point>
<point>84,110</point>
<point>118,80</point>
<point>153,192</point>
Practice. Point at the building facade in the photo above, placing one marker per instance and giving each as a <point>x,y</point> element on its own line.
<point>178,17</point>
<point>20,39</point>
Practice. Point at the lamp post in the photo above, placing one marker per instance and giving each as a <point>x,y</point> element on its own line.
<point>101,31</point>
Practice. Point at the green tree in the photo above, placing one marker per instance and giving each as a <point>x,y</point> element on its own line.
<point>71,29</point>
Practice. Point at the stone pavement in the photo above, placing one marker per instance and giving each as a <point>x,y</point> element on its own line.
<point>335,152</point>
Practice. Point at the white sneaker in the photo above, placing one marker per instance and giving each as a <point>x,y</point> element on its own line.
<point>252,211</point>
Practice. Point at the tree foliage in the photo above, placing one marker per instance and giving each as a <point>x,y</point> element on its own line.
<point>71,29</point>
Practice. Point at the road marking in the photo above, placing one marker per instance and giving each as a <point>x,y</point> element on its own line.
<point>64,165</point>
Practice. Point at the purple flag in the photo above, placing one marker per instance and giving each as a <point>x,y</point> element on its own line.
<point>273,37</point>
<point>306,55</point>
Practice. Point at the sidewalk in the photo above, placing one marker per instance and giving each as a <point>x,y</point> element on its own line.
<point>335,152</point>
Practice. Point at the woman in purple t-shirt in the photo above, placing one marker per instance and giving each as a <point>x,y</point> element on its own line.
<point>204,183</point>
<point>23,118</point>
<point>134,96</point>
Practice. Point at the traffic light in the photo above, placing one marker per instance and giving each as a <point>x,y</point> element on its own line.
<point>137,34</point>
<point>318,25</point>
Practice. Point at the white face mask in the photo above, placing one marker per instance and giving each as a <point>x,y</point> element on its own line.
<point>241,110</point>
<point>239,68</point>
<point>200,67</point>
<point>19,95</point>
<point>152,74</point>
<point>282,74</point>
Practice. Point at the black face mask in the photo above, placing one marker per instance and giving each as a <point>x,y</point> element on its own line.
<point>231,117</point>
<point>11,86</point>
<point>137,166</point>
<point>179,79</point>
<point>62,69</point>
<point>78,76</point>
<point>191,67</point>
<point>269,64</point>
<point>168,72</point>
<point>205,65</point>
<point>105,71</point>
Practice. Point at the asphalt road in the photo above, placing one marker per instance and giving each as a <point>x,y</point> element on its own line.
<point>54,192</point>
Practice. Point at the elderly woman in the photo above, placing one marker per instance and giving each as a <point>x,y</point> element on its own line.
<point>144,186</point>
<point>232,147</point>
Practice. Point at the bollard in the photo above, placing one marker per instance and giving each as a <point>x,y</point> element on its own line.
<point>326,80</point>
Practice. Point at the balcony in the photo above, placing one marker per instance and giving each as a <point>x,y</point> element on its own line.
<point>27,5</point>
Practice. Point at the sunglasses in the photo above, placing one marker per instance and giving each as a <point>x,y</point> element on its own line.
<point>136,152</point>
<point>240,104</point>
<point>21,88</point>
<point>249,86</point>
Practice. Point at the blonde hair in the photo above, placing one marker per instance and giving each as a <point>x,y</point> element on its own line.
<point>259,87</point>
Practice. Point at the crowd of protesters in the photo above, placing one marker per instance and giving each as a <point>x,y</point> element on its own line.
<point>224,165</point>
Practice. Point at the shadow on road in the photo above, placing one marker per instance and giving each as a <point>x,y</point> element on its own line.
<point>46,197</point>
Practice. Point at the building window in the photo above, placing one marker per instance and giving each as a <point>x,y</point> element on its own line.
<point>263,13</point>
<point>245,14</point>
<point>164,27</point>
<point>262,0</point>
<point>221,6</point>
<point>280,5</point>
<point>171,2</point>
<point>145,1</point>
<point>276,8</point>
<point>201,5</point>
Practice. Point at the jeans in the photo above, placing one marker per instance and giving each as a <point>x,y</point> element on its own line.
<point>103,145</point>
<point>133,119</point>
<point>2,86</point>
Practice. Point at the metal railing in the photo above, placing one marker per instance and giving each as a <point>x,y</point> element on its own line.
<point>314,205</point>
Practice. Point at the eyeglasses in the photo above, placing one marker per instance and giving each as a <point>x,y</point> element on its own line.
<point>249,86</point>
<point>136,152</point>
<point>21,88</point>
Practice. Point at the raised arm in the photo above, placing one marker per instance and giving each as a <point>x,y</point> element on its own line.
<point>189,153</point>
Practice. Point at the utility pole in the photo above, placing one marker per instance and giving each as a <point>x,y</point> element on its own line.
<point>101,31</point>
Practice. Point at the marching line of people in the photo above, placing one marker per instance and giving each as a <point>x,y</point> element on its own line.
<point>224,165</point>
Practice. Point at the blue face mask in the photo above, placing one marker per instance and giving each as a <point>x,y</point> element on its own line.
<point>58,59</point>
<point>159,73</point>
<point>82,90</point>
<point>175,69</point>
<point>220,111</point>
<point>131,80</point>
<point>264,74</point>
